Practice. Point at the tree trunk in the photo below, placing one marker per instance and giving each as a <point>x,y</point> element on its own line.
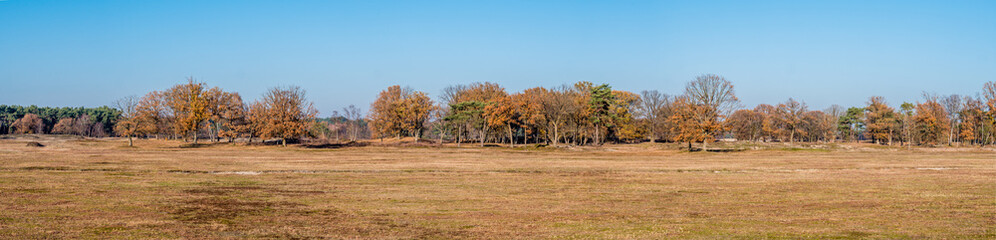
<point>440,141</point>
<point>890,137</point>
<point>556,134</point>
<point>653,134</point>
<point>951,134</point>
<point>597,135</point>
<point>283,141</point>
<point>510,141</point>
<point>129,141</point>
<point>792,136</point>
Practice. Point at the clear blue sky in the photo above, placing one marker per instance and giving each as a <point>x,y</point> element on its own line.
<point>89,53</point>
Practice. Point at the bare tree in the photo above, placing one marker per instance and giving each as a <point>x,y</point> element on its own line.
<point>83,125</point>
<point>558,108</point>
<point>451,93</point>
<point>714,91</point>
<point>834,113</point>
<point>353,117</point>
<point>128,125</point>
<point>716,95</point>
<point>334,126</point>
<point>651,107</point>
<point>438,121</point>
<point>953,105</point>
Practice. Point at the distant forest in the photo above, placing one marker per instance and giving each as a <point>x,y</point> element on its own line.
<point>580,114</point>
<point>91,122</point>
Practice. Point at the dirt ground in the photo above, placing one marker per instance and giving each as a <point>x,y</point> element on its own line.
<point>82,188</point>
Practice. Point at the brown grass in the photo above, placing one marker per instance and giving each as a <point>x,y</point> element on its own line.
<point>73,188</point>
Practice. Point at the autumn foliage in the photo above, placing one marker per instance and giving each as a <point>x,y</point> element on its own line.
<point>582,113</point>
<point>399,111</point>
<point>191,110</point>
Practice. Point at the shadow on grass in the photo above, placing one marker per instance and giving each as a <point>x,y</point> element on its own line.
<point>337,145</point>
<point>718,150</point>
<point>196,145</point>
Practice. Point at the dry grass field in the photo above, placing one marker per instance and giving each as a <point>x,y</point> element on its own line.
<point>74,188</point>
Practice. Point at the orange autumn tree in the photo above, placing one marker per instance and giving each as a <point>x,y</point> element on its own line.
<point>413,111</point>
<point>225,109</point>
<point>623,108</point>
<point>502,114</point>
<point>189,104</point>
<point>64,126</point>
<point>153,115</point>
<point>383,116</point>
<point>255,120</point>
<point>691,122</point>
<point>230,117</point>
<point>880,120</point>
<point>481,92</point>
<point>817,126</point>
<point>931,122</point>
<point>30,123</point>
<point>790,116</point>
<point>581,118</point>
<point>286,113</point>
<point>971,116</point>
<point>746,124</point>
<point>467,107</point>
<point>530,106</point>
<point>770,127</point>
<point>399,111</point>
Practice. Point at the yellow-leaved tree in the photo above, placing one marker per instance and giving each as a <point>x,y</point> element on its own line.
<point>880,120</point>
<point>692,122</point>
<point>189,104</point>
<point>285,113</point>
<point>930,122</point>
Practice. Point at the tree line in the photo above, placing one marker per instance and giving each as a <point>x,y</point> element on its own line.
<point>583,113</point>
<point>191,110</point>
<point>91,122</point>
<point>708,110</point>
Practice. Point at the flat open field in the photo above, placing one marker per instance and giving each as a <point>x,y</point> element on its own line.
<point>103,189</point>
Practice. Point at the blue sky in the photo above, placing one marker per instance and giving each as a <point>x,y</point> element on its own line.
<point>89,53</point>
